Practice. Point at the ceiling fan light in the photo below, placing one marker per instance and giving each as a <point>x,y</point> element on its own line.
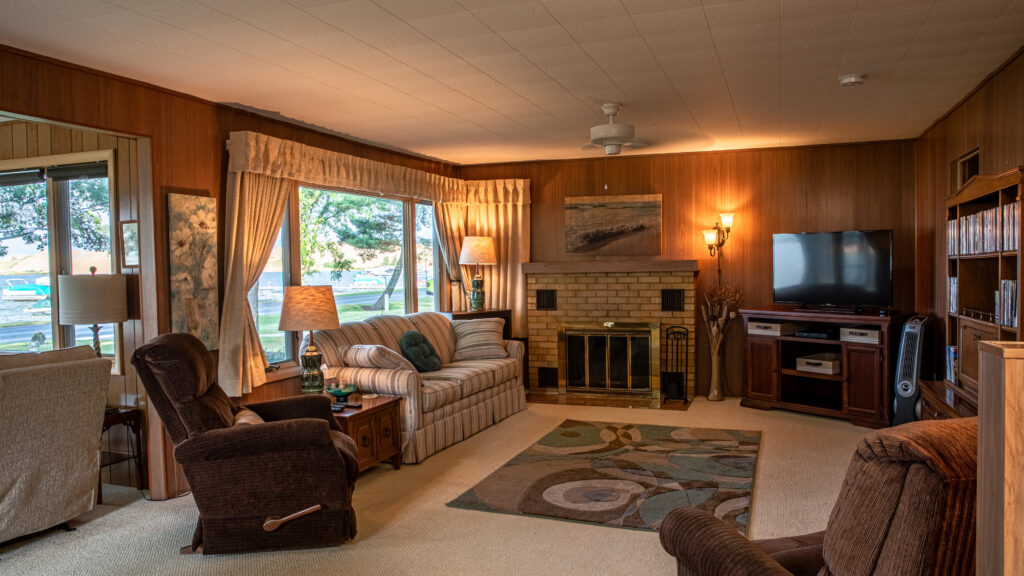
<point>612,149</point>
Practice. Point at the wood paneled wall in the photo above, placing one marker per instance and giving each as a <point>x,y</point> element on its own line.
<point>186,136</point>
<point>990,120</point>
<point>809,189</point>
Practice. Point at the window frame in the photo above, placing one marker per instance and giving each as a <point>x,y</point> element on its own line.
<point>408,240</point>
<point>60,236</point>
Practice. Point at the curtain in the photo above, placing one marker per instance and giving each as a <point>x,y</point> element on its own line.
<point>501,209</point>
<point>450,223</point>
<point>262,154</point>
<point>254,209</point>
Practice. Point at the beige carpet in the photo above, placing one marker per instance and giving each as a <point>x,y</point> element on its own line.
<point>405,527</point>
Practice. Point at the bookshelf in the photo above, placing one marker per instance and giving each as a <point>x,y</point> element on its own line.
<point>983,230</point>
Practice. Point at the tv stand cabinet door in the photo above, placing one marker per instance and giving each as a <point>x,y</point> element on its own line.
<point>763,369</point>
<point>863,382</point>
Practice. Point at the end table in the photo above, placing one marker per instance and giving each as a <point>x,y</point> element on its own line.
<point>376,428</point>
<point>131,418</point>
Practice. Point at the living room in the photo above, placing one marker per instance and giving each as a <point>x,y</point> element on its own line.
<point>166,141</point>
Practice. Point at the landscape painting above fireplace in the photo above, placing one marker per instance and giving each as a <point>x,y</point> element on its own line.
<point>613,225</point>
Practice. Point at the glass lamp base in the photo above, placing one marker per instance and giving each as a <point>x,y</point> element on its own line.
<point>476,297</point>
<point>312,377</point>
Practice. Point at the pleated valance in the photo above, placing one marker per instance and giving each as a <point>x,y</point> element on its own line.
<point>262,154</point>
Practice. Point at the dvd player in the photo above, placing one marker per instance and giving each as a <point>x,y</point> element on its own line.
<point>816,335</point>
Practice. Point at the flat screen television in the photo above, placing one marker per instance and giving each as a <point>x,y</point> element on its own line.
<point>850,269</point>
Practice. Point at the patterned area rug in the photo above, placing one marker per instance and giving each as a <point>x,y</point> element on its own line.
<point>626,475</point>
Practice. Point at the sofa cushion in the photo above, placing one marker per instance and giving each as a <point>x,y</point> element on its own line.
<point>419,351</point>
<point>438,393</point>
<point>10,361</point>
<point>472,377</point>
<point>374,356</point>
<point>479,339</point>
<point>247,417</point>
<point>438,329</point>
<point>333,343</point>
<point>390,328</point>
<point>503,369</point>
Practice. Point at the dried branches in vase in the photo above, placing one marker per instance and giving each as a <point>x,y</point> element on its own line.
<point>720,304</point>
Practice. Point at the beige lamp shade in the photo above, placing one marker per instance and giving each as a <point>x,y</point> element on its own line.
<point>308,308</point>
<point>478,250</point>
<point>92,299</point>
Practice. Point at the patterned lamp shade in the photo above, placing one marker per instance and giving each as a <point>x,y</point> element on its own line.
<point>478,250</point>
<point>308,308</point>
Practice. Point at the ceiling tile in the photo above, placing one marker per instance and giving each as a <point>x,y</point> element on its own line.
<point>416,9</point>
<point>515,17</point>
<point>568,11</point>
<point>451,26</point>
<point>674,22</point>
<point>186,14</point>
<point>74,9</point>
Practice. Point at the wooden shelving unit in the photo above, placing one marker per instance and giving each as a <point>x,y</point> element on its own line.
<point>979,269</point>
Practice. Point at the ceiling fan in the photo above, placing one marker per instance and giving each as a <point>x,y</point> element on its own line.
<point>611,136</point>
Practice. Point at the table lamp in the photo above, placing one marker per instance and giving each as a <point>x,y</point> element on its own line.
<point>92,299</point>
<point>477,250</point>
<point>309,308</point>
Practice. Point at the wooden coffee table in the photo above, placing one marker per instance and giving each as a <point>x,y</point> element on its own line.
<point>376,428</point>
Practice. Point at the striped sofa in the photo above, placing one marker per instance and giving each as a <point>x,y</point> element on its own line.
<point>439,408</point>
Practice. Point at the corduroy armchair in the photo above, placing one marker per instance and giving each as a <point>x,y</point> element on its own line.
<point>285,482</point>
<point>907,507</point>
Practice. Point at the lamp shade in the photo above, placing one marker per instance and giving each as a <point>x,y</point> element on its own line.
<point>308,308</point>
<point>710,236</point>
<point>726,219</point>
<point>478,250</point>
<point>92,299</point>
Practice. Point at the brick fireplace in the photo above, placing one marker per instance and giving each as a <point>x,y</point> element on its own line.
<point>600,298</point>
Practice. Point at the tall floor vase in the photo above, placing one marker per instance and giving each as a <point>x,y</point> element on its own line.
<point>715,389</point>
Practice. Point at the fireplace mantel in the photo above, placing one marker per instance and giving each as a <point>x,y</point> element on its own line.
<point>605,266</point>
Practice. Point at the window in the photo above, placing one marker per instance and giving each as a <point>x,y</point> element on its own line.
<point>52,221</point>
<point>357,243</point>
<point>265,301</point>
<point>426,255</point>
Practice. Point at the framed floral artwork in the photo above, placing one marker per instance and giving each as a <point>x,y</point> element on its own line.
<point>192,226</point>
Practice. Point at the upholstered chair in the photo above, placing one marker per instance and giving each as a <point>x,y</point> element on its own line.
<point>276,474</point>
<point>906,507</point>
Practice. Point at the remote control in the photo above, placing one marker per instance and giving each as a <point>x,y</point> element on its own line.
<point>355,405</point>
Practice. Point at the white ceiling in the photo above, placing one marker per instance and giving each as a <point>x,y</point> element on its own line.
<point>475,81</point>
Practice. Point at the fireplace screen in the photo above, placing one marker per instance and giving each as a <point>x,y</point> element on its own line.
<point>616,358</point>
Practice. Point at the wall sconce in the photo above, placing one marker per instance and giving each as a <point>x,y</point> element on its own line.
<point>716,237</point>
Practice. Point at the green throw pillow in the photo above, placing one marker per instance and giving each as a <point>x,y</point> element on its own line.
<point>420,351</point>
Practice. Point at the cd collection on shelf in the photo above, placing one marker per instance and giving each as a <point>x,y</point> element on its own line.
<point>952,237</point>
<point>1011,215</point>
<point>952,295</point>
<point>1006,303</point>
<point>951,360</point>
<point>979,232</point>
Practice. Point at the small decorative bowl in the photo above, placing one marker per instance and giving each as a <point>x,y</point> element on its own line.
<point>342,392</point>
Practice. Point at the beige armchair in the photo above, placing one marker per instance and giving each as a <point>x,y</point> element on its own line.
<point>51,418</point>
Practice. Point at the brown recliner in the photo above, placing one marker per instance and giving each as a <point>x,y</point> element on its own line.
<point>248,479</point>
<point>907,507</point>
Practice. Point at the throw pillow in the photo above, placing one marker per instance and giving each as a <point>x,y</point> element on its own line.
<point>247,417</point>
<point>420,351</point>
<point>479,339</point>
<point>375,356</point>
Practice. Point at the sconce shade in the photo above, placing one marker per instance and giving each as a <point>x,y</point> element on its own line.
<point>478,250</point>
<point>92,299</point>
<point>726,219</point>
<point>710,236</point>
<point>308,308</point>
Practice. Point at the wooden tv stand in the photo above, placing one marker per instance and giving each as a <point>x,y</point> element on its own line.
<point>862,390</point>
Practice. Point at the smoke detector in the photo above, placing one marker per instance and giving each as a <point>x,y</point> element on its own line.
<point>851,79</point>
<point>611,136</point>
